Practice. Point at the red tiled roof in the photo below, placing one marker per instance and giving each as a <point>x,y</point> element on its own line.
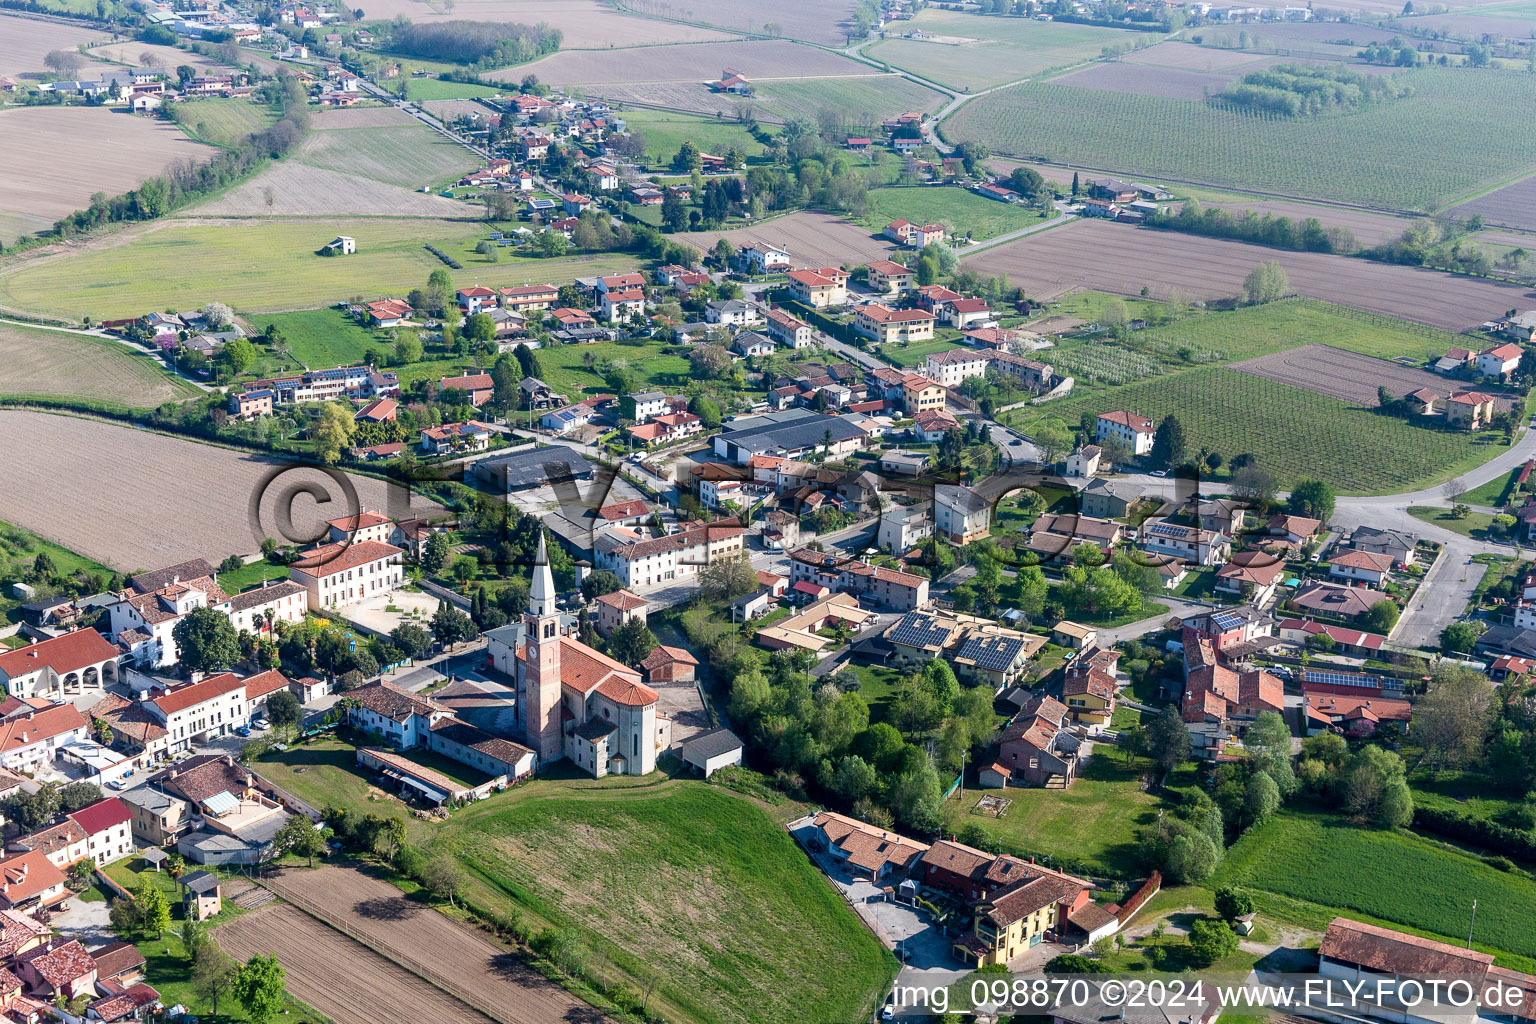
<point>623,600</point>
<point>624,510</point>
<point>663,655</point>
<point>26,875</point>
<point>102,815</point>
<point>1140,424</point>
<point>184,697</point>
<point>468,382</point>
<point>23,730</point>
<point>263,683</point>
<point>329,559</point>
<point>64,654</point>
<point>1386,951</point>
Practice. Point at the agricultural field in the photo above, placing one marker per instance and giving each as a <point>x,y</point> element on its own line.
<point>1347,376</point>
<point>1318,39</point>
<point>692,882</point>
<point>300,190</point>
<point>82,510</point>
<point>322,338</point>
<point>1093,823</point>
<point>825,22</point>
<point>583,24</point>
<point>42,363</point>
<point>1294,433</point>
<point>1393,876</point>
<point>1145,80</point>
<point>422,89</point>
<point>409,156</point>
<point>223,122</point>
<point>326,969</point>
<point>268,266</point>
<point>1122,259</point>
<point>58,157</point>
<point>811,238</point>
<point>1182,56</point>
<point>699,62</point>
<point>1513,206</point>
<point>974,52</point>
<point>141,55</point>
<point>964,211</point>
<point>1456,112</point>
<point>1506,22</point>
<point>24,42</point>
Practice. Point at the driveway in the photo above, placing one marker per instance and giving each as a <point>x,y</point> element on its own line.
<point>88,922</point>
<point>1441,598</point>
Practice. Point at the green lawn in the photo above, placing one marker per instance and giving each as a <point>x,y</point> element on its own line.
<point>963,211</point>
<point>223,122</point>
<point>910,353</point>
<point>1094,822</point>
<point>862,101</point>
<point>437,89</point>
<point>250,575</point>
<point>999,49</point>
<point>19,549</point>
<point>565,370</point>
<point>324,773</point>
<point>272,266</point>
<point>1476,525</point>
<point>1470,793</point>
<point>683,881</point>
<point>1493,494</point>
<point>322,338</point>
<point>877,685</point>
<point>1421,885</point>
<point>665,132</point>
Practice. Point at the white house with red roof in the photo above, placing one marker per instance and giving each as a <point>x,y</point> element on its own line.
<point>335,575</point>
<point>819,287</point>
<point>623,304</point>
<point>30,739</point>
<point>620,282</point>
<point>200,711</point>
<point>1499,361</point>
<point>61,666</point>
<point>1135,432</point>
<point>473,300</point>
<point>617,608</point>
<point>478,388</point>
<point>108,828</point>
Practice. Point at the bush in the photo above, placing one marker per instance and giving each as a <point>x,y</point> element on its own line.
<point>1499,863</point>
<point>1511,842</point>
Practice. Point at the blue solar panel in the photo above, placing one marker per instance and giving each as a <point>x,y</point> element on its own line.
<point>1226,620</point>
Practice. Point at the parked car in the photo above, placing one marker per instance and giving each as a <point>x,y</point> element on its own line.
<point>243,730</point>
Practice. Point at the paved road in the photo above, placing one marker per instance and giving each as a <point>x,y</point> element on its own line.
<point>1442,596</point>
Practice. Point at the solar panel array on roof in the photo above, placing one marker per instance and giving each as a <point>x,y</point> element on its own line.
<point>992,652</point>
<point>1226,620</point>
<point>917,629</point>
<point>1317,675</point>
<point>1167,530</point>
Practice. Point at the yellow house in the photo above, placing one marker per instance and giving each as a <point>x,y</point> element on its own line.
<point>1089,696</point>
<point>884,324</point>
<point>1014,922</point>
<point>920,393</point>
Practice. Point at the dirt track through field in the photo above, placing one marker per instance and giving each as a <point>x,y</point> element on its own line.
<point>451,955</point>
<point>338,976</point>
<point>1122,259</point>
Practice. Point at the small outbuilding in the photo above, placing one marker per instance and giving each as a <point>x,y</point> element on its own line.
<point>713,750</point>
<point>200,895</point>
<point>994,776</point>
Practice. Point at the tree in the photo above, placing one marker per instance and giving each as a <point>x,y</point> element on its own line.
<point>1212,940</point>
<point>707,410</point>
<point>153,906</point>
<point>1233,903</point>
<point>916,794</point>
<point>853,777</point>
<point>1381,616</point>
<point>1311,498</point>
<point>77,795</point>
<point>1070,963</point>
<point>193,934</point>
<point>1254,486</point>
<point>300,837</point>
<point>1053,440</point>
<point>1266,283</point>
<point>480,328</point>
<point>333,431</point>
<point>213,972</point>
<point>1261,799</point>
<point>726,579</point>
<point>599,583</point>
<point>674,216</point>
<point>240,354</point>
<point>1458,637</point>
<point>218,315</point>
<point>206,641</point>
<point>126,916</point>
<point>1180,850</point>
<point>407,349</point>
<point>1168,444</point>
<point>688,157</point>
<point>65,63</point>
<point>259,986</point>
<point>631,642</point>
<point>1453,716</point>
<point>1268,742</point>
<point>709,362</point>
<point>451,626</point>
<point>443,878</point>
<point>1168,740</point>
<point>436,553</point>
<point>412,640</point>
<point>284,709</point>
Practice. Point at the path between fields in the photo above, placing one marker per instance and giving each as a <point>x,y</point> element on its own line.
<point>432,946</point>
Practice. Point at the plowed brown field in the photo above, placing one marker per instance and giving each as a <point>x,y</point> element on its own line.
<point>812,239</point>
<point>338,976</point>
<point>451,955</point>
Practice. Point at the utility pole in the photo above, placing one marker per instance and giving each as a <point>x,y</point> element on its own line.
<point>1471,923</point>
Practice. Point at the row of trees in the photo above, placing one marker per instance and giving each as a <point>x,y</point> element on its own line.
<point>1282,232</point>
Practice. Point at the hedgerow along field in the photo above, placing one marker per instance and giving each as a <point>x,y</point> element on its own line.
<point>1468,119</point>
<point>270,266</point>
<point>999,49</point>
<point>36,363</point>
<point>1294,433</point>
<point>1392,876</point>
<point>686,882</point>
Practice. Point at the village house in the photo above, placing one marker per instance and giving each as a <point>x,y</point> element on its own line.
<point>1251,575</point>
<point>788,329</point>
<point>60,667</point>
<point>890,278</point>
<point>336,575</point>
<point>640,561</point>
<point>883,324</point>
<point>1362,566</point>
<point>478,388</point>
<point>914,236</point>
<point>1399,545</point>
<point>1039,748</point>
<point>953,367</point>
<point>1135,432</point>
<point>819,287</point>
<point>1499,361</point>
<point>468,436</point>
<point>616,609</point>
<point>961,516</point>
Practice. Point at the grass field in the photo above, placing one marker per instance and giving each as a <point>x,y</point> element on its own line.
<point>1295,433</point>
<point>965,212</point>
<point>223,122</point>
<point>1094,822</point>
<point>1476,525</point>
<point>1393,876</point>
<point>324,773</point>
<point>410,155</point>
<point>564,368</point>
<point>321,338</point>
<point>695,884</point>
<point>35,362</point>
<point>665,133</point>
<point>1494,493</point>
<point>270,266</point>
<point>19,549</point>
<point>1464,114</point>
<point>865,100</point>
<point>249,575</point>
<point>998,49</point>
<point>436,89</point>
